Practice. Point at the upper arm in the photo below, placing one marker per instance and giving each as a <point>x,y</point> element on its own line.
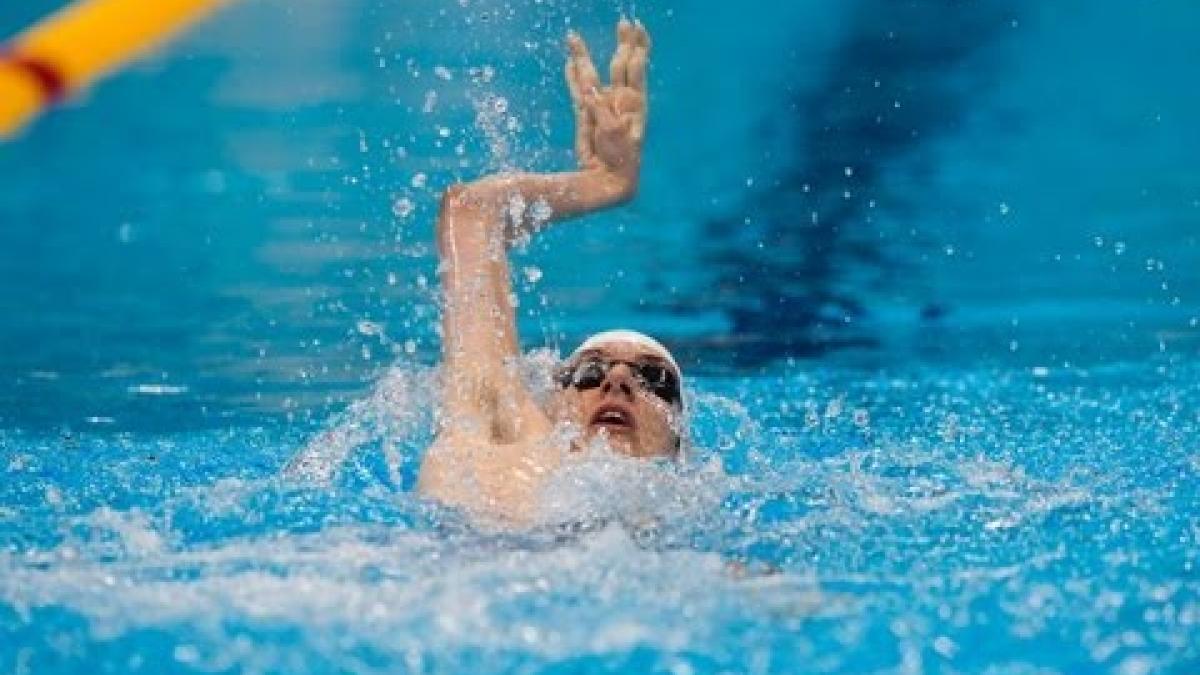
<point>483,391</point>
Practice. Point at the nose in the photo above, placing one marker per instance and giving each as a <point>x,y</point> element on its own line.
<point>619,381</point>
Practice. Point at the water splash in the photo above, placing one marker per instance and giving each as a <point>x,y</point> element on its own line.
<point>979,507</point>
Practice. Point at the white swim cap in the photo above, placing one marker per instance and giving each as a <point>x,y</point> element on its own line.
<point>623,335</point>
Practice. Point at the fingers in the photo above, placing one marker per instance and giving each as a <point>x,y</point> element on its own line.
<point>602,112</point>
<point>585,71</point>
<point>573,82</point>
<point>639,54</point>
<point>619,67</point>
<point>585,134</point>
<point>585,126</point>
<point>636,78</point>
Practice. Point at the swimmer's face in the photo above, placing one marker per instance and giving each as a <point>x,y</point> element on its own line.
<point>619,392</point>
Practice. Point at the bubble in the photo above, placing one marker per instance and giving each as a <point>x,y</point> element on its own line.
<point>403,207</point>
<point>515,207</point>
<point>186,654</point>
<point>540,211</point>
<point>369,328</point>
<point>862,417</point>
<point>482,74</point>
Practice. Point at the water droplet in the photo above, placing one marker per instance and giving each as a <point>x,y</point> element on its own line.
<point>861,417</point>
<point>540,212</point>
<point>187,654</point>
<point>403,207</point>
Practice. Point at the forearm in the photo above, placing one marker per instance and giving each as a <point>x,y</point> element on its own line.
<point>522,203</point>
<point>477,222</point>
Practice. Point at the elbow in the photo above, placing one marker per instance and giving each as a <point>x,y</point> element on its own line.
<point>454,195</point>
<point>467,198</point>
<point>454,202</point>
<point>462,219</point>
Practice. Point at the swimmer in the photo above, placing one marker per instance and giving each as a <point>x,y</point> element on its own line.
<point>496,444</point>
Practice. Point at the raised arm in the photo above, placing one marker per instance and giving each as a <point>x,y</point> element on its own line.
<point>479,220</point>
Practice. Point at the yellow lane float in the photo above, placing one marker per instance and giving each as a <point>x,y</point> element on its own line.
<point>81,43</point>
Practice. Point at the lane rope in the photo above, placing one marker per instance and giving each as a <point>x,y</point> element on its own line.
<point>49,80</point>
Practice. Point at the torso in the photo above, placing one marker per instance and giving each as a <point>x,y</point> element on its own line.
<point>486,477</point>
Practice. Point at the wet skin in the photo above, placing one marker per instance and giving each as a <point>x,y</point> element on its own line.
<point>621,410</point>
<point>496,444</point>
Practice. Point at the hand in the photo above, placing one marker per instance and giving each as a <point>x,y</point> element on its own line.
<point>610,121</point>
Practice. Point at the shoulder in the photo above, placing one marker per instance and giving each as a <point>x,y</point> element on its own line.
<point>474,472</point>
<point>446,464</point>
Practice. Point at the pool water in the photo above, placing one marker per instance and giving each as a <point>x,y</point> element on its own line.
<point>914,519</point>
<point>932,270</point>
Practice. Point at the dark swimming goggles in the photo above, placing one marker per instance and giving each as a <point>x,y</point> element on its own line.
<point>655,378</point>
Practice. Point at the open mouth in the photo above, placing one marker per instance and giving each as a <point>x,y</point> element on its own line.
<point>613,418</point>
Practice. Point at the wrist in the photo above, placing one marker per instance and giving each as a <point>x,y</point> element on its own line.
<point>615,186</point>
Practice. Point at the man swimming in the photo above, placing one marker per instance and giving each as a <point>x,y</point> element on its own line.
<point>496,444</point>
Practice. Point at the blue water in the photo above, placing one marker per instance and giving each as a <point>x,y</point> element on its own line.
<point>932,269</point>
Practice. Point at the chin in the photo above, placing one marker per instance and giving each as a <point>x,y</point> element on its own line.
<point>619,442</point>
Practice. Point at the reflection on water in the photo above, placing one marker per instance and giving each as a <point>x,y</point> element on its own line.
<point>797,262</point>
